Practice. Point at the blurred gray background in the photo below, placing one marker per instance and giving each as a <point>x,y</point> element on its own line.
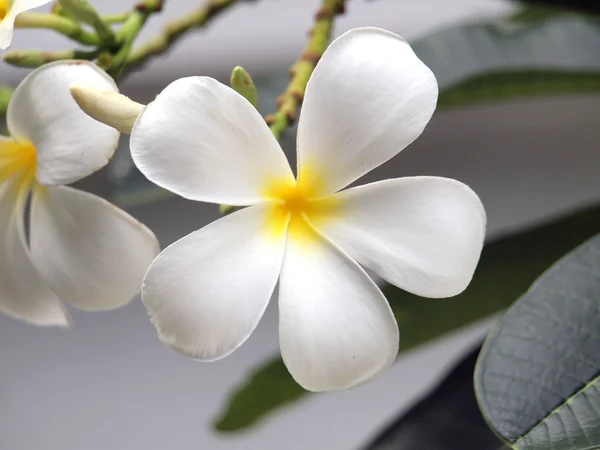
<point>109,384</point>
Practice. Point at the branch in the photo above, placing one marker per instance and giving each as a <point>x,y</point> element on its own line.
<point>175,30</point>
<point>36,58</point>
<point>59,24</point>
<point>289,102</point>
<point>129,32</point>
<point>115,18</point>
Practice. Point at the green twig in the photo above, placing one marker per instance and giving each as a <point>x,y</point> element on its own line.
<point>116,18</point>
<point>129,32</point>
<point>59,24</point>
<point>36,58</point>
<point>82,11</point>
<point>175,30</point>
<point>289,102</point>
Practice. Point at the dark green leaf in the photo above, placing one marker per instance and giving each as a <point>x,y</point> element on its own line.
<point>555,54</point>
<point>531,14</point>
<point>538,376</point>
<point>588,6</point>
<point>508,266</point>
<point>529,83</point>
<point>450,411</point>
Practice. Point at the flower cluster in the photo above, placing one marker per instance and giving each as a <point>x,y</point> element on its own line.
<point>368,98</point>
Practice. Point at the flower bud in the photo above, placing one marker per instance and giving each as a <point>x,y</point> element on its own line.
<point>110,108</point>
<point>25,58</point>
<point>242,83</point>
<point>84,12</point>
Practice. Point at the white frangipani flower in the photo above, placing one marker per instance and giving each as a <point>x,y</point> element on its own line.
<point>368,98</point>
<point>9,10</point>
<point>82,249</point>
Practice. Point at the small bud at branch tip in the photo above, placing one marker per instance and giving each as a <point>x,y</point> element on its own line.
<point>242,83</point>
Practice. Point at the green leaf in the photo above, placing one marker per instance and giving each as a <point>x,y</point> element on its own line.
<point>538,375</point>
<point>481,63</point>
<point>450,409</point>
<point>510,85</point>
<point>508,266</point>
<point>535,14</point>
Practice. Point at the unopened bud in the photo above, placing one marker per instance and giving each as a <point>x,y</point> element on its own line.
<point>226,209</point>
<point>242,83</point>
<point>26,58</point>
<point>84,12</point>
<point>110,108</point>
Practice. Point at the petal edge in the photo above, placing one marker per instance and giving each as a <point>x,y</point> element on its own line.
<point>368,98</point>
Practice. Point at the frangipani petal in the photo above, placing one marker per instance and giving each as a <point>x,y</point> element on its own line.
<point>204,141</point>
<point>8,14</point>
<point>23,293</point>
<point>336,329</point>
<point>368,98</point>
<point>91,253</point>
<point>206,292</point>
<point>422,234</point>
<point>69,144</point>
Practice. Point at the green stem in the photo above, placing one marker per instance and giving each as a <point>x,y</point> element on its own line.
<point>116,18</point>
<point>59,24</point>
<point>36,58</point>
<point>175,30</point>
<point>129,32</point>
<point>289,102</point>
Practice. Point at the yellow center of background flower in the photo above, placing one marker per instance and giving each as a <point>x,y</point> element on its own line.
<point>4,8</point>
<point>17,159</point>
<point>300,204</point>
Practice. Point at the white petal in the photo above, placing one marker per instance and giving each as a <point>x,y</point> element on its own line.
<point>204,141</point>
<point>422,234</point>
<point>336,329</point>
<point>8,22</point>
<point>368,98</point>
<point>206,293</point>
<point>91,253</point>
<point>70,145</point>
<point>23,293</point>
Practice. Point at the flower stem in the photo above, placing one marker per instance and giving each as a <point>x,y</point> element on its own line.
<point>129,32</point>
<point>36,58</point>
<point>116,18</point>
<point>289,102</point>
<point>60,24</point>
<point>174,30</point>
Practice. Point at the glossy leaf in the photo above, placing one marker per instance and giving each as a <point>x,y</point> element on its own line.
<point>538,376</point>
<point>508,266</point>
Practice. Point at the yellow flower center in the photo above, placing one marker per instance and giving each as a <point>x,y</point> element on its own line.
<point>297,205</point>
<point>4,8</point>
<point>17,159</point>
